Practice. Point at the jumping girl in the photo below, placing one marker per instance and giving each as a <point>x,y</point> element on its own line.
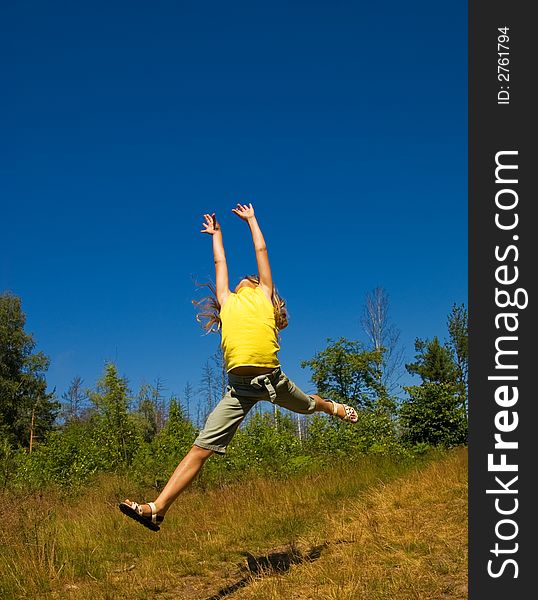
<point>249,319</point>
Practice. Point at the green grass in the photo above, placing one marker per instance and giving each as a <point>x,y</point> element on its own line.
<point>385,528</point>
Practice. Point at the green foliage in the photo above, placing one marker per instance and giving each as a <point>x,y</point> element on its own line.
<point>178,425</point>
<point>115,429</point>
<point>458,344</point>
<point>433,362</point>
<point>267,444</point>
<point>67,457</point>
<point>114,436</point>
<point>373,433</point>
<point>22,381</point>
<point>448,363</point>
<point>345,372</point>
<point>10,458</point>
<point>106,441</point>
<point>270,440</point>
<point>433,414</point>
<point>154,462</point>
<point>147,412</point>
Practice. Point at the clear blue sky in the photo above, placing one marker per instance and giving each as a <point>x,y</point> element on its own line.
<point>344,123</point>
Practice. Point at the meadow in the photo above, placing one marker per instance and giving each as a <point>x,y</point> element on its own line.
<point>371,527</point>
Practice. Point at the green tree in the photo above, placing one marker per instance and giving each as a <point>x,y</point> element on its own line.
<point>458,344</point>
<point>117,431</point>
<point>346,372</point>
<point>148,411</point>
<point>178,423</point>
<point>434,415</point>
<point>433,362</point>
<point>435,412</point>
<point>155,462</point>
<point>25,405</point>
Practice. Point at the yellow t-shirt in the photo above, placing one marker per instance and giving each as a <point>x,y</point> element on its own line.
<point>249,332</point>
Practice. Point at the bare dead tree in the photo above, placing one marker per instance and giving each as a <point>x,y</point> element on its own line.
<point>221,376</point>
<point>208,389</point>
<point>383,336</point>
<point>73,400</point>
<point>160,403</point>
<point>32,435</point>
<point>188,395</point>
<point>300,427</point>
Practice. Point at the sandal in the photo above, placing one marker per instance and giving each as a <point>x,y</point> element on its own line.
<point>350,413</point>
<point>134,511</point>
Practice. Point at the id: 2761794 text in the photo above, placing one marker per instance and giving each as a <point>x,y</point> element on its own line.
<point>503,65</point>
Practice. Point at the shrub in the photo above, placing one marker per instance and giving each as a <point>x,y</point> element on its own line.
<point>433,414</point>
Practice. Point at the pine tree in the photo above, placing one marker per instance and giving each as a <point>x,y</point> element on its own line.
<point>112,403</point>
<point>26,409</point>
<point>435,411</point>
<point>433,362</point>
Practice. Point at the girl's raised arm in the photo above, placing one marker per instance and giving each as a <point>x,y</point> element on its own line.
<point>246,212</point>
<point>212,227</point>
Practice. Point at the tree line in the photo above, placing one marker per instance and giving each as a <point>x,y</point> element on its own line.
<point>68,439</point>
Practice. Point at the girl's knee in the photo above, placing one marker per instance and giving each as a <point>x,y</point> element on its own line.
<point>200,452</point>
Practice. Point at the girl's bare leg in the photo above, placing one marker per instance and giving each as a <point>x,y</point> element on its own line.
<point>326,406</point>
<point>185,472</point>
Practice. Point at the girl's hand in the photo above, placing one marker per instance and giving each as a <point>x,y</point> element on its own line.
<point>244,212</point>
<point>210,226</point>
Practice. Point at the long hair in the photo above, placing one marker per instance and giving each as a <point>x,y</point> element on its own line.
<point>209,307</point>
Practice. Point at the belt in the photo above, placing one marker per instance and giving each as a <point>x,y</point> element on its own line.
<point>263,381</point>
<point>266,380</point>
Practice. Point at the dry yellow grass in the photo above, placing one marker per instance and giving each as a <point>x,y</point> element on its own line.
<point>403,540</point>
<point>370,530</point>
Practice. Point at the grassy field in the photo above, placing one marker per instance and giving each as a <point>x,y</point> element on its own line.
<point>372,529</point>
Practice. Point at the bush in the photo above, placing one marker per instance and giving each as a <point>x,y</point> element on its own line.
<point>265,445</point>
<point>433,415</point>
<point>71,455</point>
<point>154,462</point>
<point>66,457</point>
<point>373,433</point>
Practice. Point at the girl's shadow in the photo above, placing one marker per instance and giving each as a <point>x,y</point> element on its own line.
<point>267,564</point>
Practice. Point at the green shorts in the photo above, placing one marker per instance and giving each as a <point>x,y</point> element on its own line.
<point>241,395</point>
